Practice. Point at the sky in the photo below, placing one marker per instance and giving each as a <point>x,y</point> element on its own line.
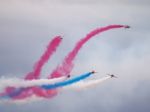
<point>27,26</point>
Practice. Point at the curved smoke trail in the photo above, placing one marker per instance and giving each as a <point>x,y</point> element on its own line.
<point>51,48</point>
<point>87,84</point>
<point>67,65</point>
<point>18,91</point>
<point>66,82</point>
<point>18,83</point>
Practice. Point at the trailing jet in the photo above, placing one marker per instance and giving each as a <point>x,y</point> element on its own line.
<point>112,75</point>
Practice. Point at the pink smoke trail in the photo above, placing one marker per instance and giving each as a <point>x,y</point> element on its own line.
<point>67,65</point>
<point>35,74</point>
<point>51,48</point>
<point>37,69</point>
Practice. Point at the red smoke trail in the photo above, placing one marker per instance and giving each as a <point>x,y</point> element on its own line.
<point>51,48</point>
<point>35,74</point>
<point>67,65</point>
<point>37,69</point>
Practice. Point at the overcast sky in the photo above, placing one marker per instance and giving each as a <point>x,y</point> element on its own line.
<point>27,26</point>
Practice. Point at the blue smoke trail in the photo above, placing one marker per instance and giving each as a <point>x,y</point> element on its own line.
<point>18,91</point>
<point>67,82</point>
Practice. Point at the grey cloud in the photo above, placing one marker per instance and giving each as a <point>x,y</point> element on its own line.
<point>27,27</point>
<point>133,2</point>
<point>138,101</point>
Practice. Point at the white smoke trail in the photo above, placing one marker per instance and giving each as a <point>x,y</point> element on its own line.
<point>86,84</point>
<point>76,86</point>
<point>15,82</point>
